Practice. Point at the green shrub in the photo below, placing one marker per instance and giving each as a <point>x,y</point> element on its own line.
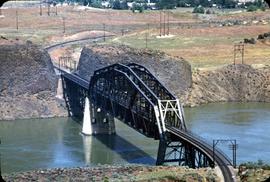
<point>198,9</point>
<point>251,8</point>
<point>96,4</point>
<point>137,7</point>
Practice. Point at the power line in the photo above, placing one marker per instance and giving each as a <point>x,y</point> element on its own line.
<point>239,48</point>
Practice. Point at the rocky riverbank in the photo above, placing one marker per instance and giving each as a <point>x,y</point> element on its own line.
<point>27,83</point>
<point>232,83</point>
<point>118,173</point>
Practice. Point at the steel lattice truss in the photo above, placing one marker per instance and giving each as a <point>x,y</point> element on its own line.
<point>136,97</point>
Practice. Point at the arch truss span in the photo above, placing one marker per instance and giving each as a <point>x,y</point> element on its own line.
<point>135,96</point>
<point>132,94</point>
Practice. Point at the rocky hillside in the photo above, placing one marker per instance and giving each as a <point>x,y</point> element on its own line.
<point>27,83</point>
<point>240,83</point>
<point>175,73</point>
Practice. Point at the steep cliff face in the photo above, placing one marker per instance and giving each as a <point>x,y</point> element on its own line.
<point>25,69</point>
<point>174,73</point>
<point>232,83</point>
<point>240,83</point>
<point>27,83</point>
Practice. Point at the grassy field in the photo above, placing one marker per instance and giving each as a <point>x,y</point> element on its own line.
<point>203,43</point>
<point>204,47</point>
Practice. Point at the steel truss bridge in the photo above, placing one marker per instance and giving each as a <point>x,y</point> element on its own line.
<point>136,97</point>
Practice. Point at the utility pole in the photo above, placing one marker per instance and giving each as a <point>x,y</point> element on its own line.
<point>239,48</point>
<point>104,32</point>
<point>146,36</point>
<point>232,146</point>
<point>49,9</point>
<point>75,65</point>
<point>40,7</point>
<point>64,25</point>
<point>17,20</point>
<point>164,23</point>
<point>160,18</point>
<point>168,23</point>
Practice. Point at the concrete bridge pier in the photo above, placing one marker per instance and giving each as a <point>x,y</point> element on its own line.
<point>104,122</point>
<point>59,90</point>
<point>96,121</point>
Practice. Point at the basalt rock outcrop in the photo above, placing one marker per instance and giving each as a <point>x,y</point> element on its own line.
<point>233,83</point>
<point>174,73</point>
<point>27,83</point>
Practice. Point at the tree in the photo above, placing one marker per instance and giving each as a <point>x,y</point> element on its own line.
<point>138,7</point>
<point>166,4</point>
<point>198,9</point>
<point>117,4</point>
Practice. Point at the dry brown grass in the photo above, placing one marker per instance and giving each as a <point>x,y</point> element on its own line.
<point>201,46</point>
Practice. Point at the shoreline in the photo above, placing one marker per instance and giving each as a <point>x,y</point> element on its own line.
<point>116,173</point>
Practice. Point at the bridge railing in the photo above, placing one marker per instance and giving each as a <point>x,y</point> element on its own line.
<point>75,78</point>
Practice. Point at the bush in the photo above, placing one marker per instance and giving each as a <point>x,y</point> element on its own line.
<point>96,4</point>
<point>137,7</point>
<point>198,9</point>
<point>251,8</point>
<point>117,4</point>
<point>210,11</point>
<point>263,8</point>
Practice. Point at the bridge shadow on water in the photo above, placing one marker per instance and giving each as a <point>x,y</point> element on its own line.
<point>128,151</point>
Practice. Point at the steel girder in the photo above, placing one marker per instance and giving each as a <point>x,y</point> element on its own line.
<point>74,95</point>
<point>152,82</point>
<point>124,97</point>
<point>132,94</point>
<point>180,152</point>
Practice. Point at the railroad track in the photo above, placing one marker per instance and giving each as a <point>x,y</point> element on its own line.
<point>220,159</point>
<point>92,39</point>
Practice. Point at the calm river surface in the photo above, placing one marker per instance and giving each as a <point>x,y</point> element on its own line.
<point>49,143</point>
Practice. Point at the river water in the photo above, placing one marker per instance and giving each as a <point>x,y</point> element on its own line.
<point>49,143</point>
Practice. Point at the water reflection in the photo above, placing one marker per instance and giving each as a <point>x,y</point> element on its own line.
<point>113,149</point>
<point>87,146</point>
<point>248,123</point>
<point>48,143</point>
<point>127,151</point>
<point>238,118</point>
